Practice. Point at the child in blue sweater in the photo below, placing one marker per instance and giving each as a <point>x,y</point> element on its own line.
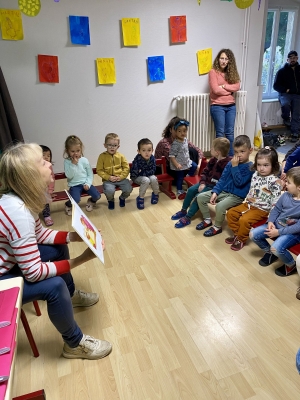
<point>79,174</point>
<point>231,189</point>
<point>142,172</point>
<point>283,226</point>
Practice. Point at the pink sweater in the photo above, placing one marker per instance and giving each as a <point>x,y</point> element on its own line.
<point>219,95</point>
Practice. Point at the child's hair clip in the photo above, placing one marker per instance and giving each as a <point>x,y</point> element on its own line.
<point>181,122</point>
<point>268,148</point>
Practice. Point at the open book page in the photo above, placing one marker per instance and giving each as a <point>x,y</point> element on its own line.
<point>86,230</point>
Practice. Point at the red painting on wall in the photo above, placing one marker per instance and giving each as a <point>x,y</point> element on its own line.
<point>48,68</point>
<point>178,29</point>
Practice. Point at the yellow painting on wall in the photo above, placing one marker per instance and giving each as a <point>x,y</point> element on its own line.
<point>11,24</point>
<point>31,8</point>
<point>131,31</point>
<point>204,61</point>
<point>106,71</point>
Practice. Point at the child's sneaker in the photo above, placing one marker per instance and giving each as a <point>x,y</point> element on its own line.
<point>121,202</point>
<point>230,239</point>
<point>237,245</point>
<point>111,205</point>
<point>181,194</point>
<point>68,211</point>
<point>89,205</point>
<point>179,215</point>
<point>267,259</point>
<point>154,198</point>
<point>139,203</point>
<point>48,221</point>
<point>89,348</point>
<point>184,221</point>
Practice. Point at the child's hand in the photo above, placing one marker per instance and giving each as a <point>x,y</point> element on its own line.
<point>235,161</point>
<point>271,226</point>
<point>74,160</point>
<point>53,195</point>
<point>213,198</point>
<point>86,187</point>
<point>272,233</point>
<point>201,187</point>
<point>179,166</point>
<point>283,176</point>
<point>113,178</point>
<point>118,178</point>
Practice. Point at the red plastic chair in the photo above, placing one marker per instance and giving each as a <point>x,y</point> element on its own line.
<point>28,330</point>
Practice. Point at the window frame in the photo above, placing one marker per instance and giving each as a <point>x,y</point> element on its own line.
<point>272,95</point>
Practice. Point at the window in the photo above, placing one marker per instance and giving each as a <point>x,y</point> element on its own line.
<point>278,42</point>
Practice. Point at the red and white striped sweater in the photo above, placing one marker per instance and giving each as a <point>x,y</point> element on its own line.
<point>20,233</point>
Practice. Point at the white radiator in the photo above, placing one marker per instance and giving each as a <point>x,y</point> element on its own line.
<point>271,113</point>
<point>196,109</point>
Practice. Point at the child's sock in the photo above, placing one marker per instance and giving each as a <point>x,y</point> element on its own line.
<point>216,228</point>
<point>207,220</point>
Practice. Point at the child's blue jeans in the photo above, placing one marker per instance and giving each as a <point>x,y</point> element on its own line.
<point>279,246</point>
<point>57,291</point>
<point>75,192</point>
<point>180,175</point>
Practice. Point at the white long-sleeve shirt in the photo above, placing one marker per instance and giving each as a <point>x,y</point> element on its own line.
<point>20,233</point>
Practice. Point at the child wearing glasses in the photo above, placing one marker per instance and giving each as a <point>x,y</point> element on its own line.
<point>113,168</point>
<point>180,161</point>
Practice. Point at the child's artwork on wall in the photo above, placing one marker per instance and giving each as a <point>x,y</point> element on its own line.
<point>156,68</point>
<point>11,24</point>
<point>79,30</point>
<point>131,31</point>
<point>204,61</point>
<point>178,29</point>
<point>48,68</point>
<point>86,229</point>
<point>243,3</point>
<point>106,71</point>
<point>31,8</point>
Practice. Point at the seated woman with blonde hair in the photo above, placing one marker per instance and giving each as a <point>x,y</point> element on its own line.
<point>40,255</point>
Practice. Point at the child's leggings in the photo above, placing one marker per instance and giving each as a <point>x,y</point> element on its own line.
<point>279,246</point>
<point>180,174</point>
<point>145,182</point>
<point>224,202</point>
<point>241,218</point>
<point>75,192</point>
<point>190,200</point>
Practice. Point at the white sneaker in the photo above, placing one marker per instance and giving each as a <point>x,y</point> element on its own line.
<point>89,348</point>
<point>83,299</point>
<point>68,211</point>
<point>89,205</point>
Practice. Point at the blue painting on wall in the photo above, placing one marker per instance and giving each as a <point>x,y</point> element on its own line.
<point>156,68</point>
<point>79,30</point>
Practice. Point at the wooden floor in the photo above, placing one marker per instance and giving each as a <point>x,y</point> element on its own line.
<point>188,317</point>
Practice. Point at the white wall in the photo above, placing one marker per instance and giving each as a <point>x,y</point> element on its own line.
<point>132,107</point>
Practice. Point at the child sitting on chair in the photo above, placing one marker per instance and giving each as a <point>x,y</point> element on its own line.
<point>283,226</point>
<point>208,179</point>
<point>143,172</point>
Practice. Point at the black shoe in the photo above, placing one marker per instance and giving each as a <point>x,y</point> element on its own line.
<point>267,259</point>
<point>284,270</point>
<point>287,122</point>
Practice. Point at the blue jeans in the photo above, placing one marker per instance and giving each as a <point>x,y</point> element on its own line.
<point>279,246</point>
<point>180,175</point>
<point>75,192</point>
<point>57,291</point>
<point>224,118</point>
<point>109,189</point>
<point>191,201</point>
<point>290,105</point>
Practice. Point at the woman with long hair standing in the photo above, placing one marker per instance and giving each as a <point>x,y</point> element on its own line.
<point>224,80</point>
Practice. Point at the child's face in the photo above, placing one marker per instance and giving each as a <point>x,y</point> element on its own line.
<point>214,152</point>
<point>146,151</point>
<point>291,187</point>
<point>47,156</point>
<point>243,153</point>
<point>112,146</point>
<point>264,166</point>
<point>181,133</point>
<point>74,151</point>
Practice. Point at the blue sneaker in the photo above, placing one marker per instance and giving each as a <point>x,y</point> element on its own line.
<point>178,215</point>
<point>298,361</point>
<point>184,221</point>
